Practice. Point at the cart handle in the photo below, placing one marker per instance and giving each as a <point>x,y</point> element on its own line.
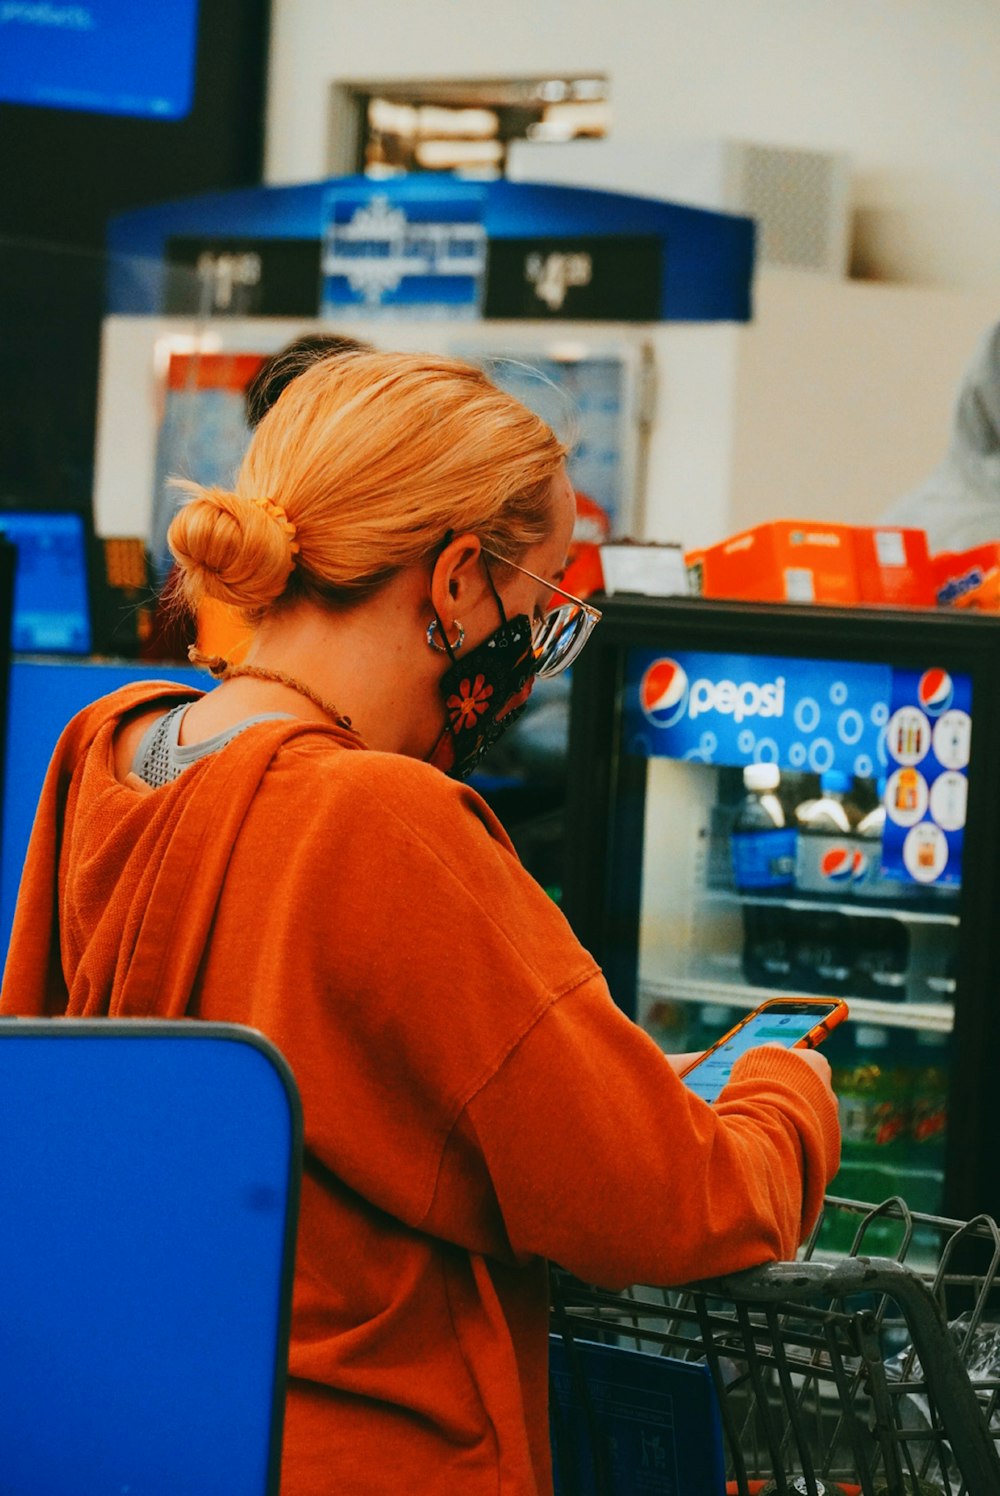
<point>947,1379</point>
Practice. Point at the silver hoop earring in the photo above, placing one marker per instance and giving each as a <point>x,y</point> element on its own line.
<point>456,645</point>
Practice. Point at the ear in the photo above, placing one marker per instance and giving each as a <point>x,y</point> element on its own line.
<point>457,579</point>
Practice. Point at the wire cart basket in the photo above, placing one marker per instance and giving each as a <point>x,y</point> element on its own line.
<point>869,1367</point>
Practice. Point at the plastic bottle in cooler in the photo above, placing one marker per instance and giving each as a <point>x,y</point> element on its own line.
<point>869,832</point>
<point>828,811</point>
<point>828,859</point>
<point>872,1082</point>
<point>871,882</point>
<point>881,958</point>
<point>768,943</point>
<point>762,844</point>
<point>871,826</point>
<point>873,1109</point>
<point>822,952</point>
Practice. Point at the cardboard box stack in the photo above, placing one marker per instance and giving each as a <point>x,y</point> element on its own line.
<point>800,561</point>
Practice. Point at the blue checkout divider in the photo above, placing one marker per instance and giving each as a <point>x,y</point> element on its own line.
<point>43,696</point>
<point>150,1172</point>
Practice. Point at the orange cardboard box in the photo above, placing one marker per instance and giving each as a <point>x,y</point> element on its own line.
<point>894,566</point>
<point>969,579</point>
<point>802,561</point>
<point>796,561</point>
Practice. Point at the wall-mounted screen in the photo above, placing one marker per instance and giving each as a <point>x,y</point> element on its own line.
<point>101,56</point>
<point>51,598</point>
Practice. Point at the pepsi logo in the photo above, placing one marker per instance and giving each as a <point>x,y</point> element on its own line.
<point>663,692</point>
<point>935,691</point>
<point>842,865</point>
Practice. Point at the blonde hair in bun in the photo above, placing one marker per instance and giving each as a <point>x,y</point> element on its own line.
<point>235,550</point>
<point>365,463</point>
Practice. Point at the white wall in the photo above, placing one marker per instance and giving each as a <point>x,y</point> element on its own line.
<point>844,394</point>
<point>908,87</point>
<point>837,398</point>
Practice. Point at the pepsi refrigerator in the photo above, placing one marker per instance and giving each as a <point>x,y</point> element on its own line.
<point>702,897</point>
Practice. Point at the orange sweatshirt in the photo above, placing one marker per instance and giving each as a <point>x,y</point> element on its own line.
<point>475,1103</point>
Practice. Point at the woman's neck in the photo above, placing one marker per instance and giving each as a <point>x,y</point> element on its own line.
<point>369,663</point>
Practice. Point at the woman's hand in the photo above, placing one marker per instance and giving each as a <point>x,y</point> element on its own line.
<point>814,1060</point>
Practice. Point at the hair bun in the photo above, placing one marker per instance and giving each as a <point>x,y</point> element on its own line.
<point>238,551</point>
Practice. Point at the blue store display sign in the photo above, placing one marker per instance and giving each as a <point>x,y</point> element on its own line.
<point>419,255</point>
<point>705,270</point>
<point>928,742</point>
<point>807,715</point>
<point>910,727</point>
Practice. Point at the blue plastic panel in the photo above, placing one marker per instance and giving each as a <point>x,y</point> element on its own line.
<point>142,1290</point>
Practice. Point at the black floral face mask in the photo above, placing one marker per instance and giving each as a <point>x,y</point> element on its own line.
<point>483,693</point>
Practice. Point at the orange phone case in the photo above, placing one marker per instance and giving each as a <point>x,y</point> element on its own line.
<point>825,1026</point>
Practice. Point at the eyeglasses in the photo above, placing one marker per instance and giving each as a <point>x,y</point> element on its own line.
<point>560,634</point>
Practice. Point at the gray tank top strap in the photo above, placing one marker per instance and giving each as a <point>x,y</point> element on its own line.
<point>160,758</point>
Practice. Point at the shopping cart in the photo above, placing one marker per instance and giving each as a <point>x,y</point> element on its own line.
<point>844,1372</point>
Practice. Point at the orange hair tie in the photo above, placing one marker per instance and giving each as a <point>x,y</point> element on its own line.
<point>279,514</point>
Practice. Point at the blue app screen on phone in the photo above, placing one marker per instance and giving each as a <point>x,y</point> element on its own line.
<point>785,1026</point>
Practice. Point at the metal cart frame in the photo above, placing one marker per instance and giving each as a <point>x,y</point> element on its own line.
<point>841,1372</point>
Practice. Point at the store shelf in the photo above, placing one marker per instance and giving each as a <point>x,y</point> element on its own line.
<point>930,1017</point>
<point>856,909</point>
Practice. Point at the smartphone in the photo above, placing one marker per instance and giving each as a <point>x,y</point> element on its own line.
<point>798,1022</point>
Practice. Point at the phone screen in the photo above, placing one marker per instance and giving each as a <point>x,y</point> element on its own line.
<point>786,1025</point>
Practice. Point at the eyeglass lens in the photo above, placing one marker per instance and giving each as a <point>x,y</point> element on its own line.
<point>558,639</point>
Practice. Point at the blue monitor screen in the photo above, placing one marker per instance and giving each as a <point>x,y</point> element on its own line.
<point>104,56</point>
<point>51,598</point>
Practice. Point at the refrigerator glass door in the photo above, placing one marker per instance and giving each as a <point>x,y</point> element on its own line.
<point>803,831</point>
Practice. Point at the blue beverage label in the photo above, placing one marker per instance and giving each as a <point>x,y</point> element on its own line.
<point>763,859</point>
<point>866,720</point>
<point>928,745</point>
<point>809,715</point>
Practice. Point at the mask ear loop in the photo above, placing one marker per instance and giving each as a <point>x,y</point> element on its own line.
<point>449,535</point>
<point>493,589</point>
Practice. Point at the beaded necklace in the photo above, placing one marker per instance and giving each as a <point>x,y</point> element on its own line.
<point>223,670</point>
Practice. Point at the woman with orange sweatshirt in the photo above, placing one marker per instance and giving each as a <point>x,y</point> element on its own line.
<point>295,850</point>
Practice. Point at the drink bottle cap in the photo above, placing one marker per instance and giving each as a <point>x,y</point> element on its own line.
<point>758,777</point>
<point>834,782</point>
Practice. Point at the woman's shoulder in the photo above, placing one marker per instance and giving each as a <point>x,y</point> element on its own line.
<point>115,711</point>
<point>392,785</point>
